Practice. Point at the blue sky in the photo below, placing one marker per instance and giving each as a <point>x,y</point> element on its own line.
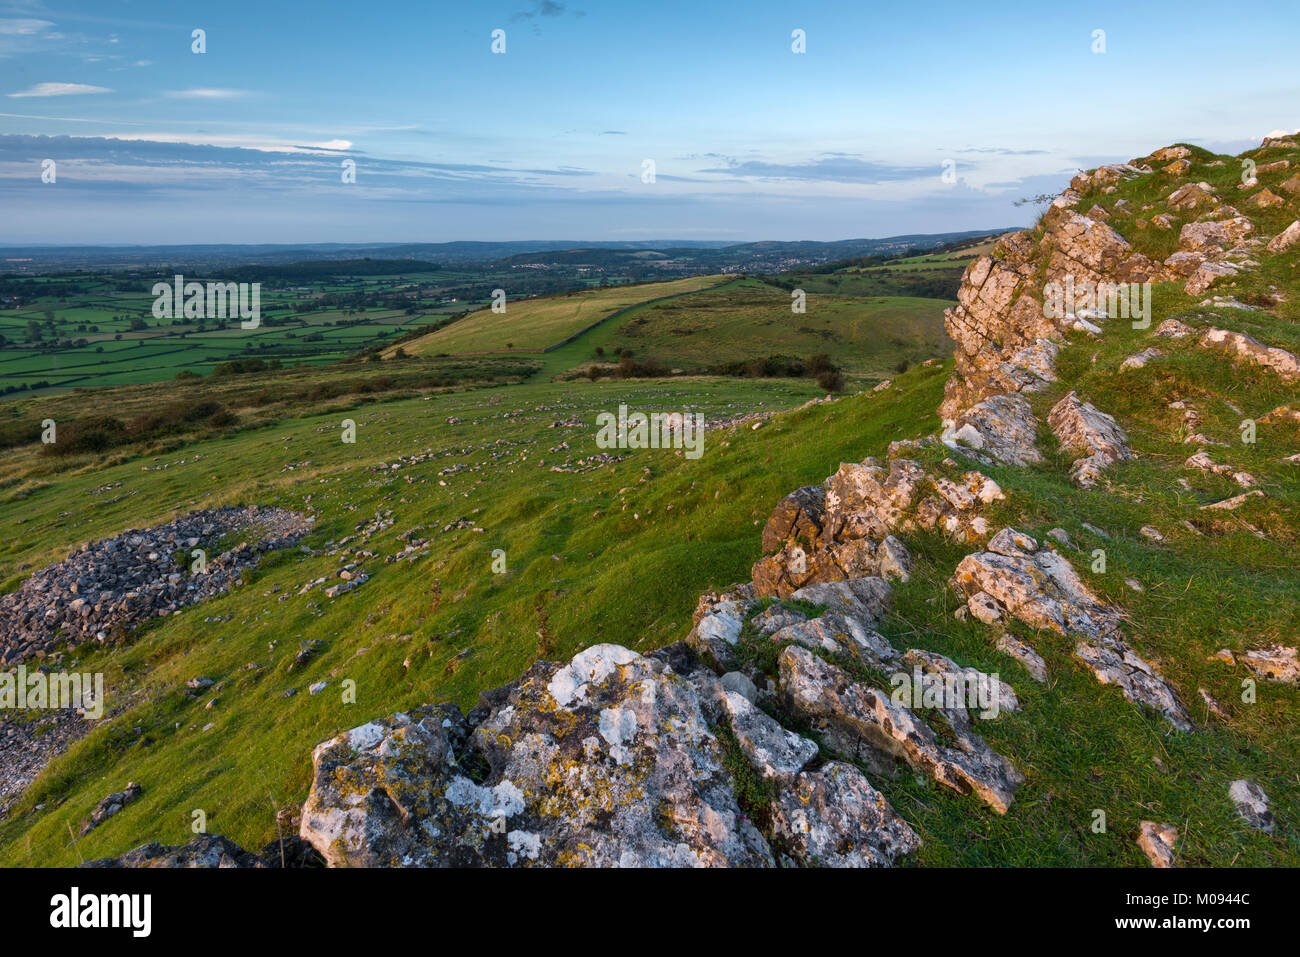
<point>154,143</point>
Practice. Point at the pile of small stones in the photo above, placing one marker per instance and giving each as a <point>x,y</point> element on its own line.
<point>106,588</point>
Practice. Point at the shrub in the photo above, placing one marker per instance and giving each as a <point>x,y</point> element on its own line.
<point>831,381</point>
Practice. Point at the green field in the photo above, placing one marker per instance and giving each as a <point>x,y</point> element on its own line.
<point>101,335</point>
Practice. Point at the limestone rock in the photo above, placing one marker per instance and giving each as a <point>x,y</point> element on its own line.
<point>798,517</point>
<point>1289,236</point>
<point>1285,364</point>
<point>1274,662</point>
<point>1039,587</point>
<point>770,748</point>
<point>1206,275</point>
<point>863,722</point>
<point>1082,427</point>
<point>1174,329</point>
<point>1214,238</point>
<point>1001,426</point>
<point>833,817</point>
<point>1140,359</point>
<point>605,761</point>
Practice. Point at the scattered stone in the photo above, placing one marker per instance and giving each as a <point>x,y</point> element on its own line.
<point>106,588</point>
<point>1174,329</point>
<point>110,806</point>
<point>1158,842</point>
<point>1231,504</point>
<point>1140,359</point>
<point>1252,805</point>
<point>1273,662</point>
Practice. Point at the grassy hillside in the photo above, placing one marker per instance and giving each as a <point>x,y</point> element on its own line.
<point>532,325</point>
<point>752,319</point>
<point>619,551</point>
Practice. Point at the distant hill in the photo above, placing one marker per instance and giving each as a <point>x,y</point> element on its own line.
<point>697,255</point>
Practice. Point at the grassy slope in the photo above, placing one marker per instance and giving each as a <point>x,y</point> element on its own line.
<point>535,324</point>
<point>750,319</point>
<point>621,555</point>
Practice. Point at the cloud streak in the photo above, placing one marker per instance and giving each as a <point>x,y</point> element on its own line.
<point>59,89</point>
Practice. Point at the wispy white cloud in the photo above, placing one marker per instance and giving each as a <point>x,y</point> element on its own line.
<point>60,89</point>
<point>23,27</point>
<point>207,93</point>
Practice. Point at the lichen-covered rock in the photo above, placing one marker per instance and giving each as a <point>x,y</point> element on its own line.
<point>833,817</point>
<point>1215,237</point>
<point>1002,426</point>
<point>1207,274</point>
<point>718,623</point>
<point>605,761</point>
<point>798,517</point>
<point>1274,662</point>
<point>773,751</point>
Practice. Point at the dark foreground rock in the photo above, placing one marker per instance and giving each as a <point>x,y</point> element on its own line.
<point>209,850</point>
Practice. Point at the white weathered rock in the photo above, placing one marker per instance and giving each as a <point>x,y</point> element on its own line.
<point>1252,805</point>
<point>1285,364</point>
<point>1039,587</point>
<point>1285,239</point>
<point>605,761</point>
<point>1140,359</point>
